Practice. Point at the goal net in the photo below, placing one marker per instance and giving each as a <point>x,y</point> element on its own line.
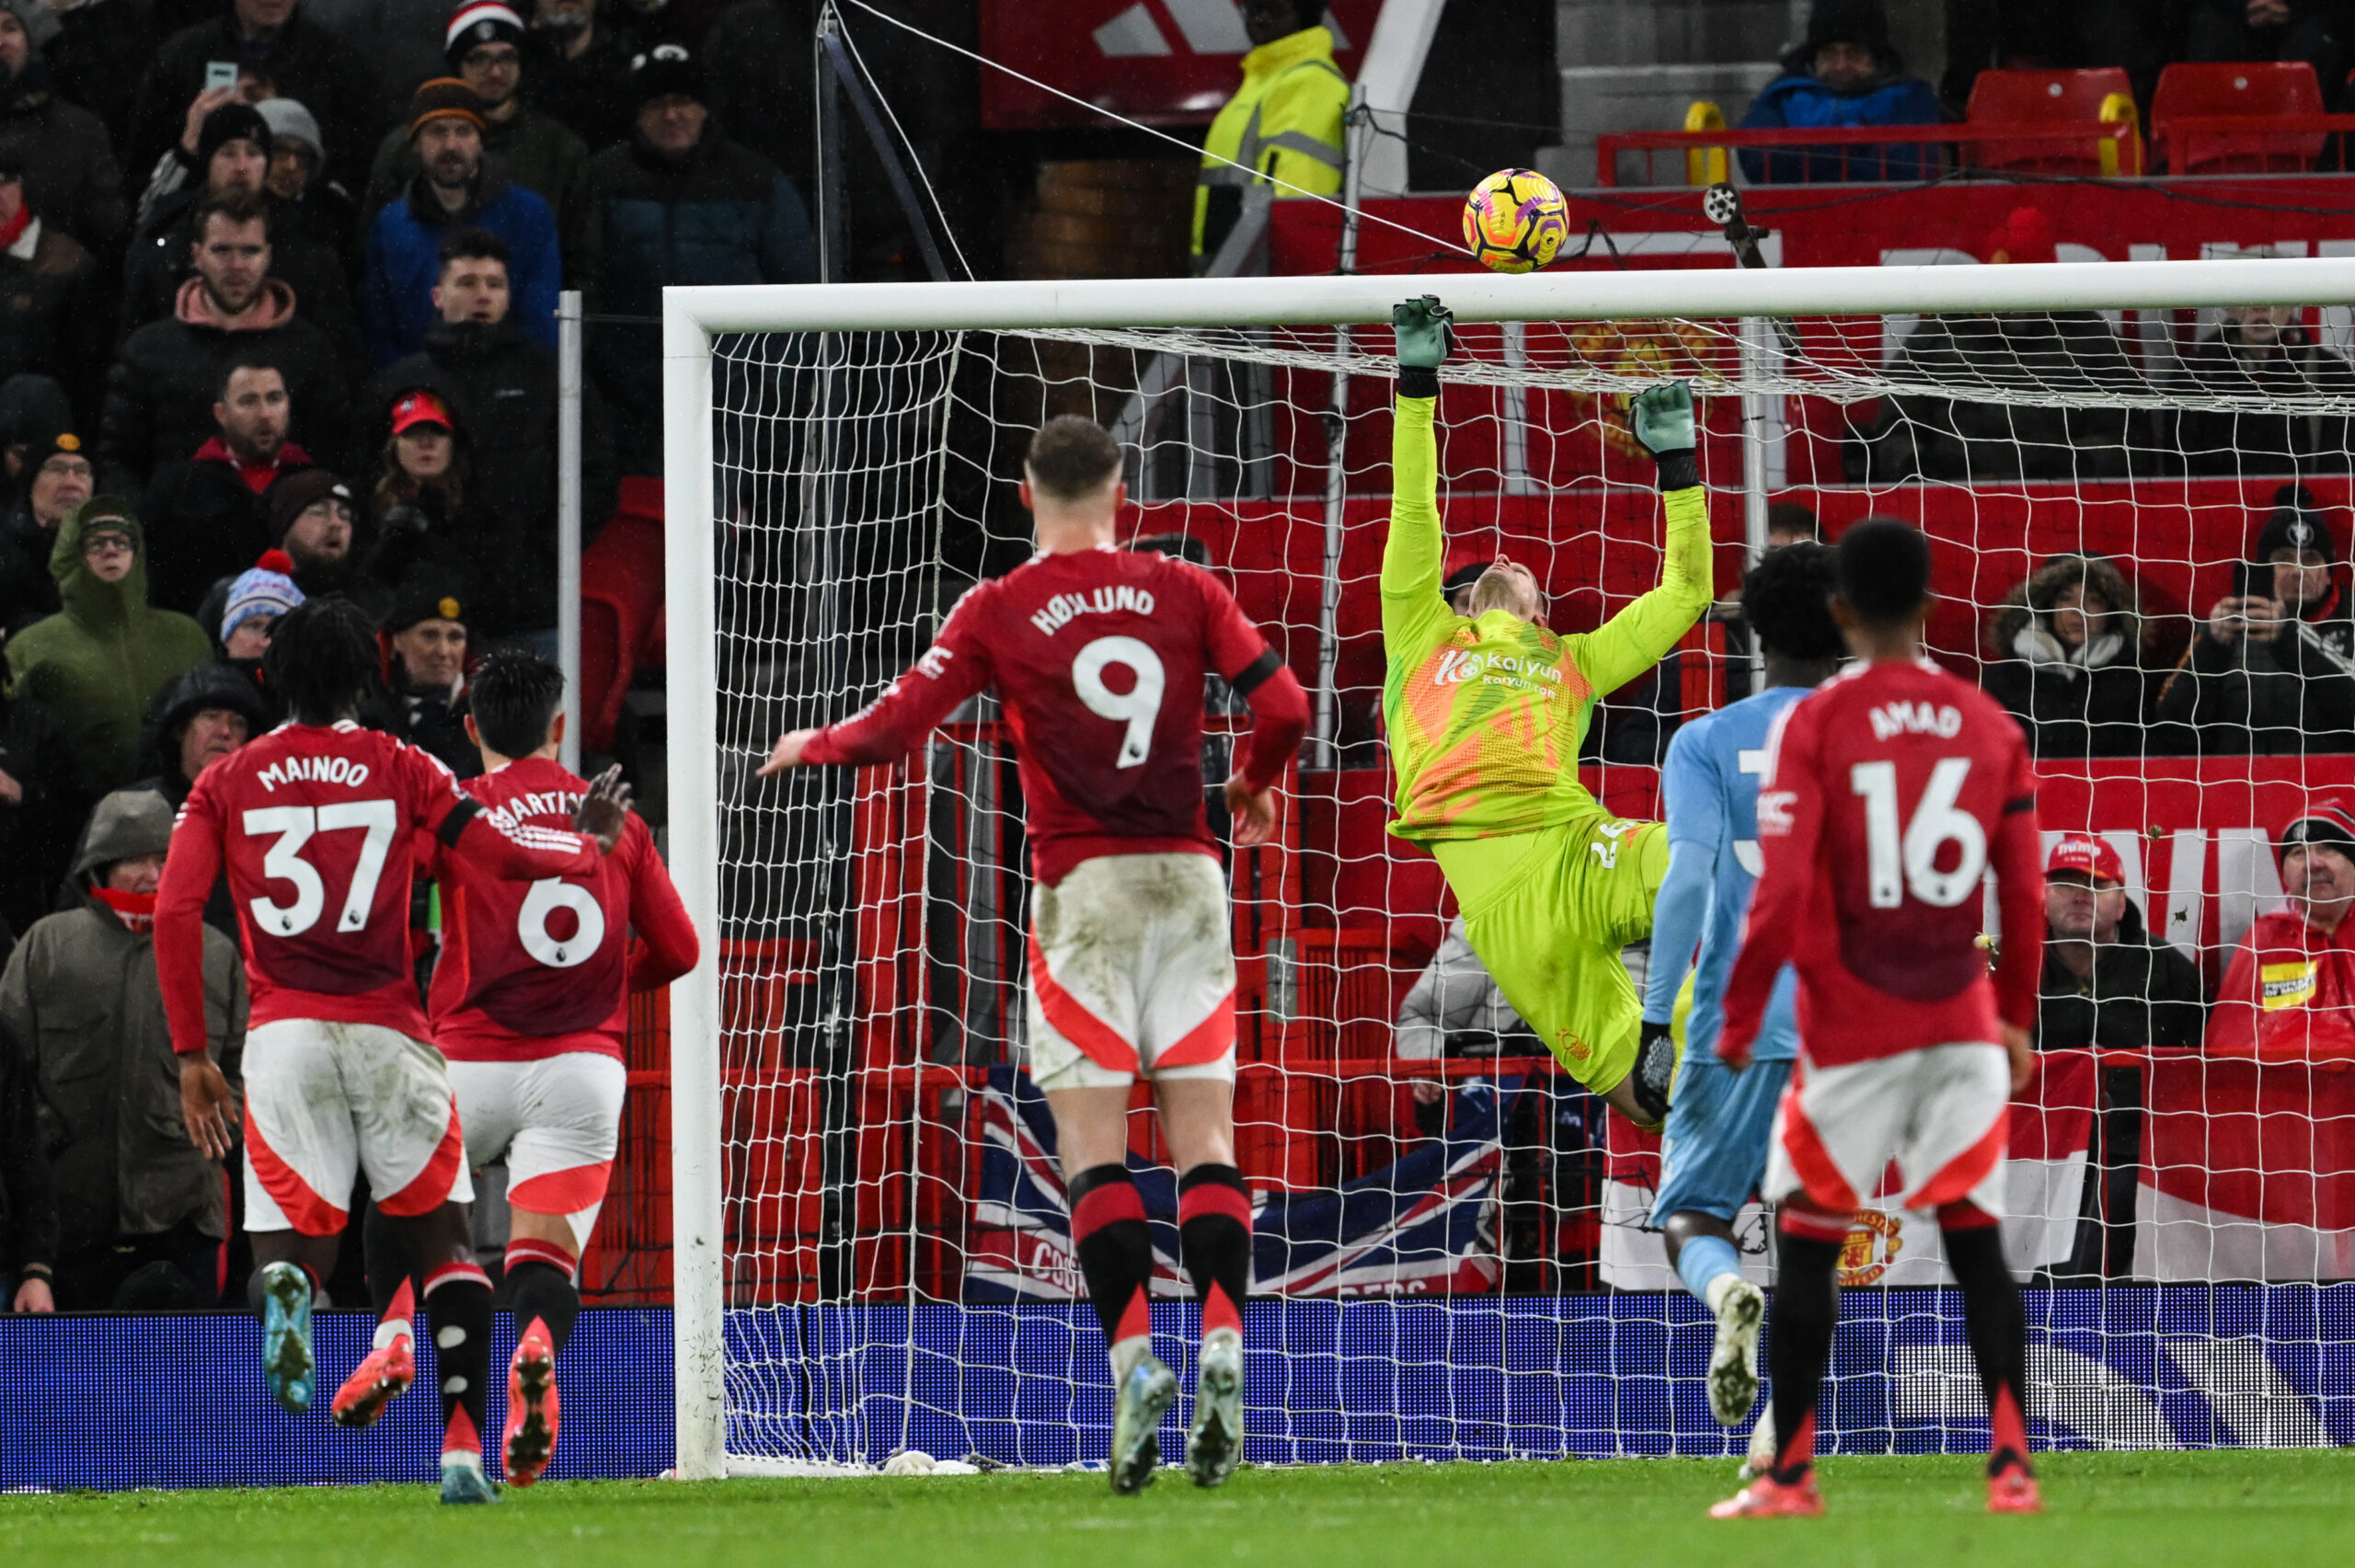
<point>2136,480</point>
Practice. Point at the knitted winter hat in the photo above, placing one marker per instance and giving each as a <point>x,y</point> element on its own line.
<point>49,444</point>
<point>663,70</point>
<point>41,23</point>
<point>231,123</point>
<point>2296,525</point>
<point>297,493</point>
<point>265,589</point>
<point>2329,819</point>
<point>478,22</point>
<point>443,98</point>
<point>290,122</point>
<point>424,596</point>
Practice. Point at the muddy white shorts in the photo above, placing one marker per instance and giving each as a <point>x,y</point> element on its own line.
<point>1132,971</point>
<point>1942,1115</point>
<point>327,1101</point>
<point>556,1122</point>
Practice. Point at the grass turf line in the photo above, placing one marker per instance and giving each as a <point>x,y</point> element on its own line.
<point>2278,1508</point>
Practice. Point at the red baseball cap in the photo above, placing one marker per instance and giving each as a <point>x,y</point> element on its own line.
<point>2088,856</point>
<point>421,407</point>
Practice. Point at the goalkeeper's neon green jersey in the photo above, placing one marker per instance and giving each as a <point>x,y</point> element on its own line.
<point>1485,714</point>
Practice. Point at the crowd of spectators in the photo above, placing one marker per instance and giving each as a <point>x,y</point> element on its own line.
<point>278,293</point>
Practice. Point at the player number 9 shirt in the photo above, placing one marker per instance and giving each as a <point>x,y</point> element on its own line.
<point>1892,791</point>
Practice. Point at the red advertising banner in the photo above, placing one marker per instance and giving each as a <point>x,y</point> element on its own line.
<point>1162,62</point>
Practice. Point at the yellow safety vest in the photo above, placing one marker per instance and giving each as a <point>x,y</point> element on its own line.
<point>1283,124</point>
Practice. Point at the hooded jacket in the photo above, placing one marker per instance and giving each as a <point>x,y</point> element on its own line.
<point>2291,694</point>
<point>71,176</point>
<point>95,662</point>
<point>404,262</point>
<point>2082,702</point>
<point>2141,993</point>
<point>166,377</point>
<point>79,1003</point>
<point>158,268</point>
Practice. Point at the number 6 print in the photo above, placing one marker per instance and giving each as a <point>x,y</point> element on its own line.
<point>1140,707</point>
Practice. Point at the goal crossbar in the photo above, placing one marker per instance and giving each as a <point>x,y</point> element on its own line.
<point>695,317</point>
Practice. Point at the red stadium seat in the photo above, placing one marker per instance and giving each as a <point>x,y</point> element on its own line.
<point>2066,97</point>
<point>2192,91</point>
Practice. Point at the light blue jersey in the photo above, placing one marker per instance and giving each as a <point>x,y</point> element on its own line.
<point>1709,791</point>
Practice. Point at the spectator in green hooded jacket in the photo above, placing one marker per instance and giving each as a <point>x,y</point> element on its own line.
<point>96,662</point>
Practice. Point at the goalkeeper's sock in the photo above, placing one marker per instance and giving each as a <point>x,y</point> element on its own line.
<point>1116,1259</point>
<point>1215,1231</point>
<point>540,1285</point>
<point>1996,1323</point>
<point>457,1299</point>
<point>1798,1339</point>
<point>1705,1260</point>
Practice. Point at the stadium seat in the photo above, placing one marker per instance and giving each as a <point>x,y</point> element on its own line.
<point>2196,90</point>
<point>2066,97</point>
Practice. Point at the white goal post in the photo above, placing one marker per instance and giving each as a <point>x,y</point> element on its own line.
<point>693,318</point>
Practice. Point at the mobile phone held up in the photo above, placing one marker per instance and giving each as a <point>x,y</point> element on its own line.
<point>219,74</point>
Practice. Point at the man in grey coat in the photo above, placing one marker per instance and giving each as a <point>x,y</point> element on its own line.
<point>142,1213</point>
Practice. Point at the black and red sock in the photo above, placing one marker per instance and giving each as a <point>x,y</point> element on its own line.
<point>1995,1320</point>
<point>1115,1249</point>
<point>1799,1338</point>
<point>542,1282</point>
<point>457,1301</point>
<point>1214,1233</point>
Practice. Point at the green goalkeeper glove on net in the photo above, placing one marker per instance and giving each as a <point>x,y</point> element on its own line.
<point>1661,421</point>
<point>1426,331</point>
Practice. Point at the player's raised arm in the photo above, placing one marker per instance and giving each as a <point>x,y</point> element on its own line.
<point>1413,606</point>
<point>952,670</point>
<point>1642,635</point>
<point>1790,825</point>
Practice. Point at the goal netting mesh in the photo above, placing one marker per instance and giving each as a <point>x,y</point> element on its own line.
<point>1451,1253</point>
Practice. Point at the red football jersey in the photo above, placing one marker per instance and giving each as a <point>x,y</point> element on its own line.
<point>534,970</point>
<point>1892,791</point>
<point>1099,655</point>
<point>317,827</point>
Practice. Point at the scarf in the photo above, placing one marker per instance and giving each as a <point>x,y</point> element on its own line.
<point>135,911</point>
<point>2037,643</point>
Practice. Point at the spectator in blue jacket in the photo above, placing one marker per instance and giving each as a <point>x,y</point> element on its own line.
<point>1845,72</point>
<point>458,188</point>
<point>678,203</point>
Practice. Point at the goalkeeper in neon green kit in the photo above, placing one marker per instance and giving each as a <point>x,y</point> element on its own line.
<point>1485,713</point>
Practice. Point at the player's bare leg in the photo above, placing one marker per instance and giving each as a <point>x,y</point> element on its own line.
<point>542,1289</point>
<point>288,1269</point>
<point>1214,1233</point>
<point>456,1295</point>
<point>1805,1308</point>
<point>1116,1258</point>
<point>1996,1325</point>
<point>1702,1249</point>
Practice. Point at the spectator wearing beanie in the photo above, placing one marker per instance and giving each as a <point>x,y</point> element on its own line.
<point>52,316</point>
<point>315,521</point>
<point>2289,992</point>
<point>501,393</point>
<point>535,150</point>
<point>71,176</point>
<point>456,188</point>
<point>59,479</point>
<point>576,66</point>
<point>303,59</point>
<point>256,598</point>
<point>2273,670</point>
<point>298,176</point>
<point>205,514</point>
<point>1845,73</point>
<point>192,723</point>
<point>97,660</point>
<point>142,1211</point>
<point>234,153</point>
<point>677,203</point>
<point>167,376</point>
<point>426,659</point>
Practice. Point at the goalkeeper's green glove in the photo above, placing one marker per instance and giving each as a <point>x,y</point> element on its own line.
<point>1661,421</point>
<point>1426,331</point>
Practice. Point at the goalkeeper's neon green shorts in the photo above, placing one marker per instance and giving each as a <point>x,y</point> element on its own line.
<point>1548,912</point>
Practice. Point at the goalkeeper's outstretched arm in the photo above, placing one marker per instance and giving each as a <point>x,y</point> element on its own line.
<point>1413,557</point>
<point>1642,635</point>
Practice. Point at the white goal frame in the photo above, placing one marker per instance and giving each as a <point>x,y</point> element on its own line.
<point>692,317</point>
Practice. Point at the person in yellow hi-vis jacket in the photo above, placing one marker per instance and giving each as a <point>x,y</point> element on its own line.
<point>1485,713</point>
<point>1284,125</point>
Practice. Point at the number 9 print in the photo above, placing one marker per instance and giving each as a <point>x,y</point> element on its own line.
<point>1138,706</point>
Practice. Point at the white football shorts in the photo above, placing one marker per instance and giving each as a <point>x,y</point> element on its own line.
<point>326,1100</point>
<point>1132,971</point>
<point>1942,1115</point>
<point>557,1122</point>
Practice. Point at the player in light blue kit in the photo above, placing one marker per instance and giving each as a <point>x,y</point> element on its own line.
<point>1714,1152</point>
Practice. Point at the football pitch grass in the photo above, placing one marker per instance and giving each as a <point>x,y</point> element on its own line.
<point>2278,1508</point>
